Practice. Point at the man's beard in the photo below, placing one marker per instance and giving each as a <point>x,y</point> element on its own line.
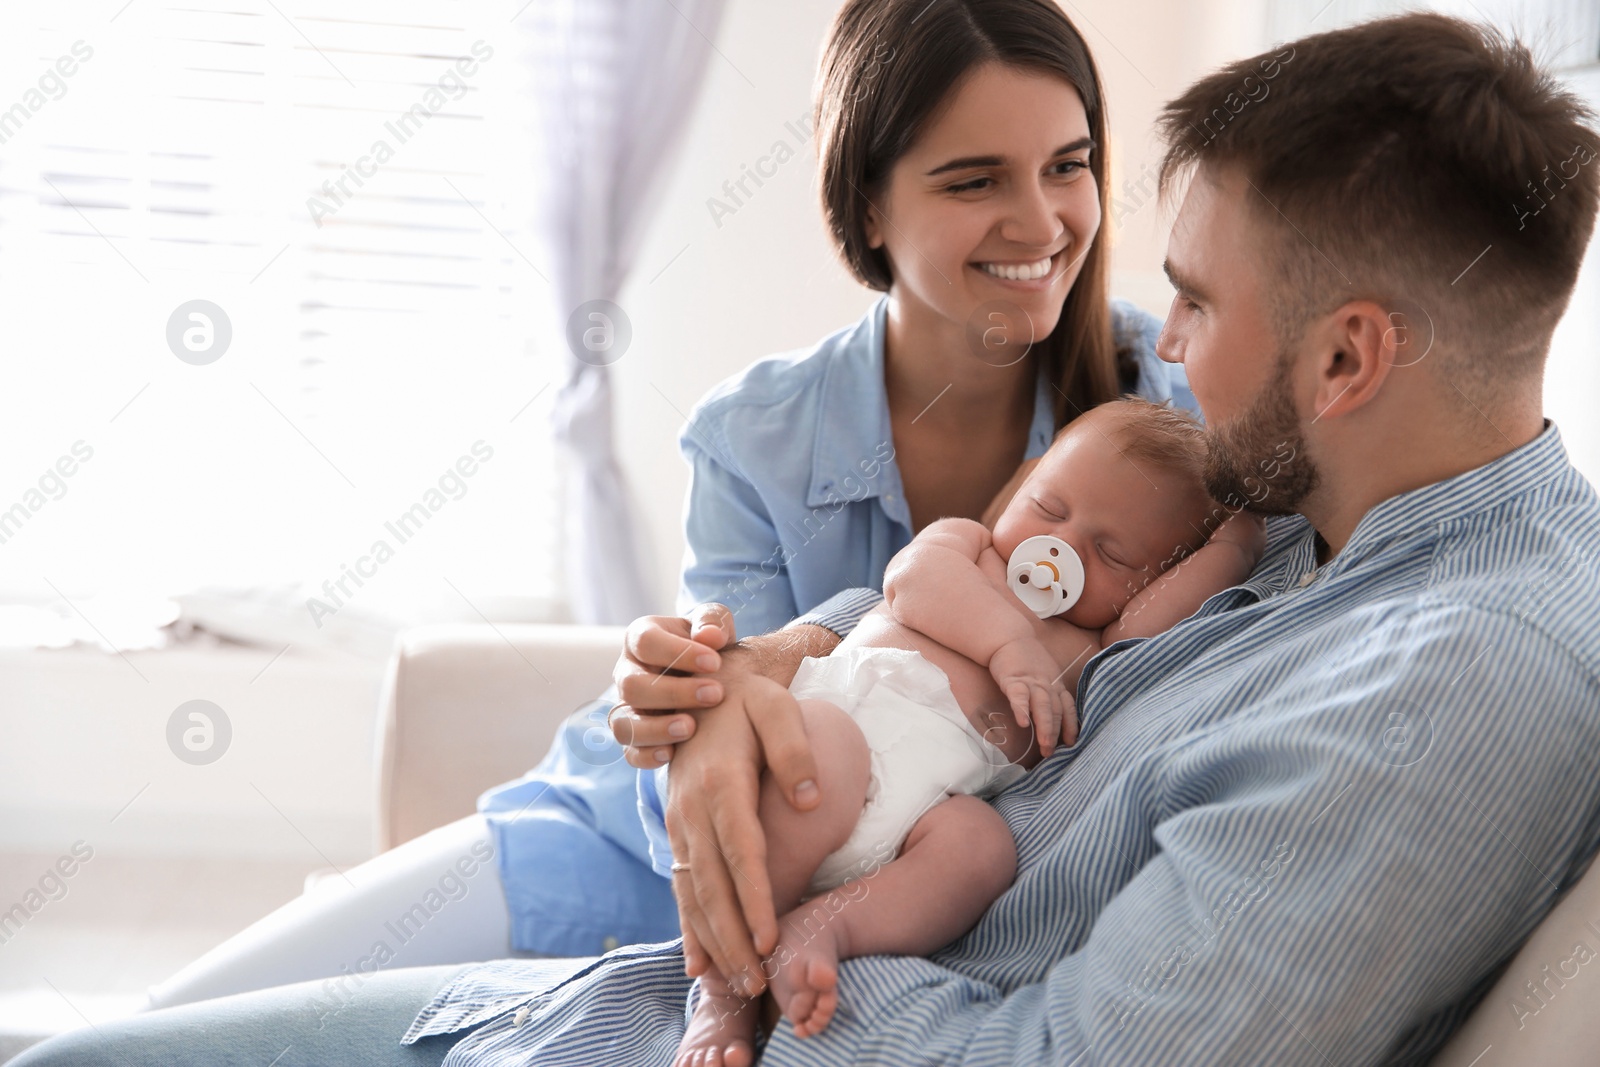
<point>1260,460</point>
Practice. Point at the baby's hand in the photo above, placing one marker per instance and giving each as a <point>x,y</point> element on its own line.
<point>1248,532</point>
<point>1030,678</point>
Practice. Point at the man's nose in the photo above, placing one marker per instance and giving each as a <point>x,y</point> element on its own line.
<point>1167,346</point>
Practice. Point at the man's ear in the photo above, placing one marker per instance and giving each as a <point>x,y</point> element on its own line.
<point>1356,346</point>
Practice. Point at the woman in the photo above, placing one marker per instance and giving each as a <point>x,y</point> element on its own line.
<point>962,162</point>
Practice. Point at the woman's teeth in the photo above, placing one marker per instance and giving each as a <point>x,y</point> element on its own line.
<point>1018,272</point>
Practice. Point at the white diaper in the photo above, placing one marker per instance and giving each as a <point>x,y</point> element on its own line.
<point>922,745</point>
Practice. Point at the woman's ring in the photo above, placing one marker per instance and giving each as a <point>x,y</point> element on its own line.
<point>676,867</point>
<point>612,712</point>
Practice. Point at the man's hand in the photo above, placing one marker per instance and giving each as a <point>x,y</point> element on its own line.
<point>713,791</point>
<point>725,897</point>
<point>1030,678</point>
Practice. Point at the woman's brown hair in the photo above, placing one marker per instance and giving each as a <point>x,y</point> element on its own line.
<point>888,65</point>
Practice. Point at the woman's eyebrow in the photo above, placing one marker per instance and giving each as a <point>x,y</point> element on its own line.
<point>998,161</point>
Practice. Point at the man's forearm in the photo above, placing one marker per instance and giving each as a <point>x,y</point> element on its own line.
<point>777,655</point>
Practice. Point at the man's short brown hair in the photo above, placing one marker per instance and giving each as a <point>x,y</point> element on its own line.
<point>1420,161</point>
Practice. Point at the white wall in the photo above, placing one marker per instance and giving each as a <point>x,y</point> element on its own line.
<point>1572,377</point>
<point>766,280</point>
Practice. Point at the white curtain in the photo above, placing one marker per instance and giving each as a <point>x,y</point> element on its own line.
<point>617,80</point>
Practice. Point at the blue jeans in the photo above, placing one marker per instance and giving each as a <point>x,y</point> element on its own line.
<point>287,1026</point>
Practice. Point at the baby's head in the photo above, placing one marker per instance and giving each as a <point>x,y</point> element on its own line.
<point>1124,485</point>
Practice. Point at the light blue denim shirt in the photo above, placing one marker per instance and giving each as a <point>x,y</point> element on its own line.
<point>1307,825</point>
<point>794,496</point>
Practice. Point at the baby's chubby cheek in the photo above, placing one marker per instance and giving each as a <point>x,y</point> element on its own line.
<point>1015,525</point>
<point>1008,534</point>
<point>1101,604</point>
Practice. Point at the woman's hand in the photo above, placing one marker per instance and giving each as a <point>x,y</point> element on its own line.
<point>666,665</point>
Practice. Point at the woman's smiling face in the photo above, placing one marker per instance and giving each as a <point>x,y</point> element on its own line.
<point>997,183</point>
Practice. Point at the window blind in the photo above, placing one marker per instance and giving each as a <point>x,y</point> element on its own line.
<point>349,184</point>
<point>1564,34</point>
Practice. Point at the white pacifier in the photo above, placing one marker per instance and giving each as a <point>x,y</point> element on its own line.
<point>1046,574</point>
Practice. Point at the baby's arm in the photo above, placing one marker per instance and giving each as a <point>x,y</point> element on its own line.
<point>935,587</point>
<point>1225,560</point>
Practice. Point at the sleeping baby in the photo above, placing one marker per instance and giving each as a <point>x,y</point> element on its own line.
<point>955,687</point>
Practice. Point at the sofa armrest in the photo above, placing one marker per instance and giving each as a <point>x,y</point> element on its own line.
<point>466,707</point>
<point>1545,1006</point>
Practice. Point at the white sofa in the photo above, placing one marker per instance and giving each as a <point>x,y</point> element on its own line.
<point>465,707</point>
<point>468,706</point>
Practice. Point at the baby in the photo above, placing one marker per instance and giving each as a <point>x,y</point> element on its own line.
<point>907,717</point>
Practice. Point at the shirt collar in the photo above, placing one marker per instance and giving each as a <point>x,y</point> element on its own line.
<point>1518,472</point>
<point>853,431</point>
<point>1522,470</point>
<point>853,418</point>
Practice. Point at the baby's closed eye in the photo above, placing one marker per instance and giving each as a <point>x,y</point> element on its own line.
<point>1112,558</point>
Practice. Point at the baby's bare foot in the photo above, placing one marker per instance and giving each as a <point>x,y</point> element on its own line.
<point>806,966</point>
<point>723,1028</point>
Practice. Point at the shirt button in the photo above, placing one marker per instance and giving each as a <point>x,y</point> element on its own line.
<point>1306,580</point>
<point>521,1016</point>
<point>609,943</point>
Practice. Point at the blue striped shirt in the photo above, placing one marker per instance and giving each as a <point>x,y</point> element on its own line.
<point>1305,826</point>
